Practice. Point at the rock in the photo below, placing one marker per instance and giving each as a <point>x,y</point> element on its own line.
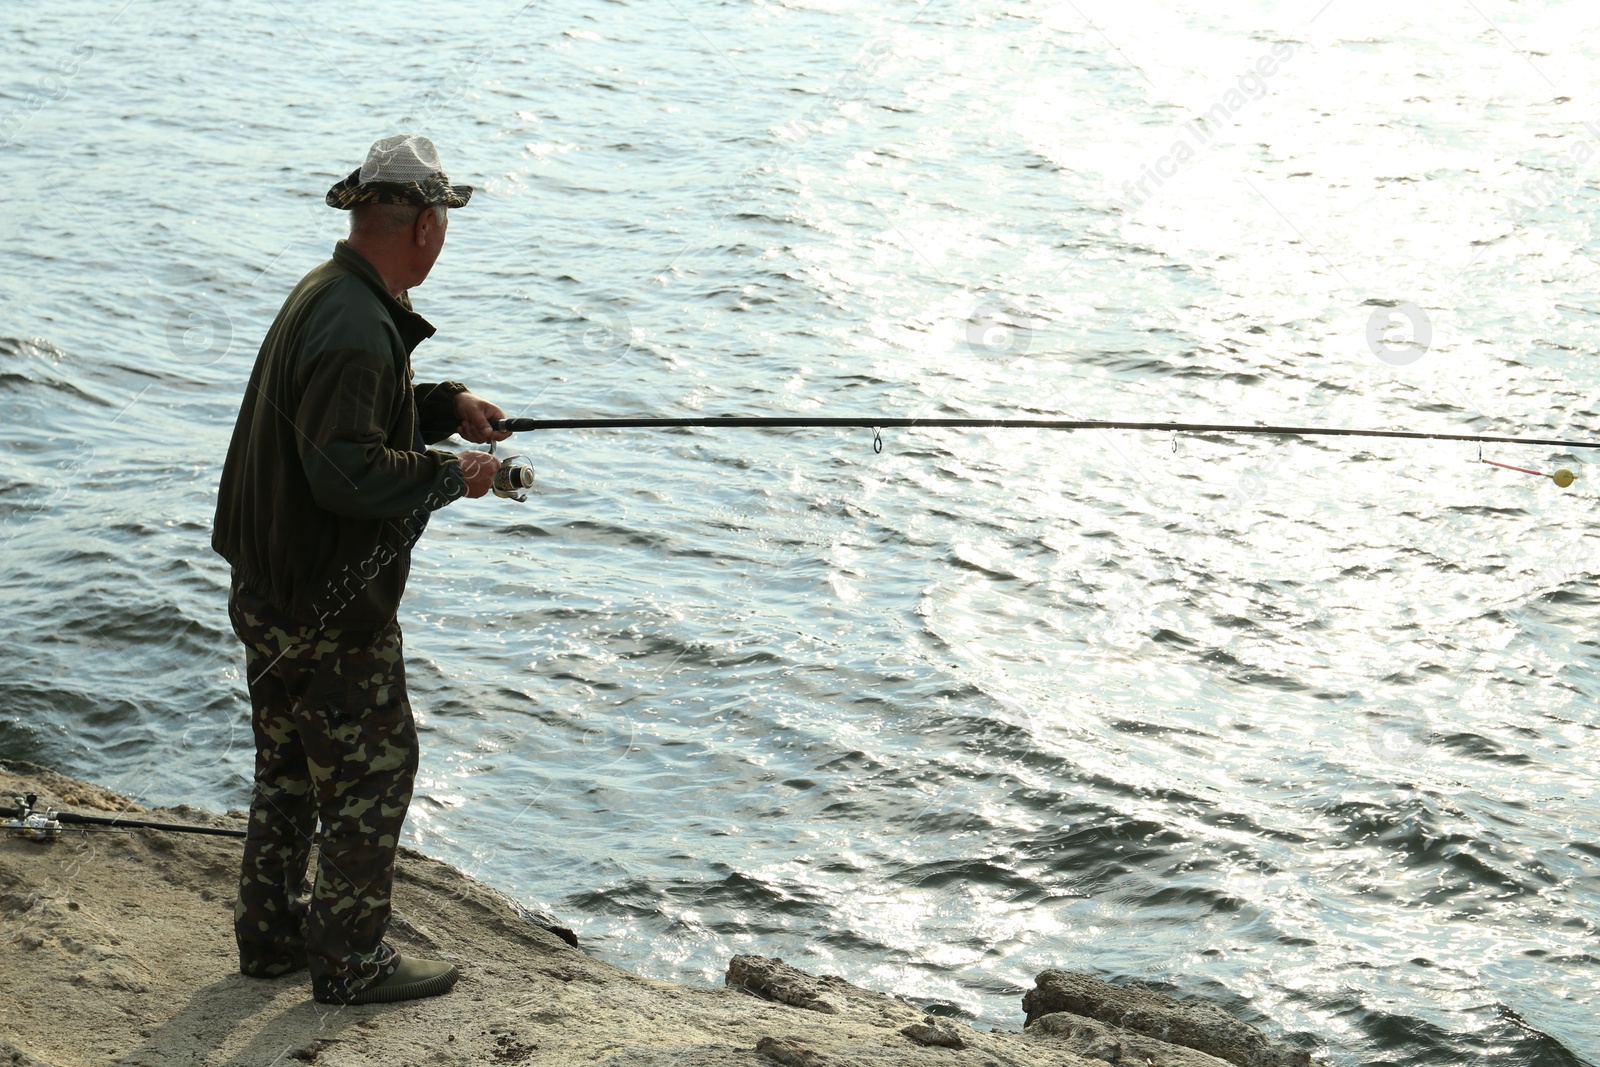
<point>788,1052</point>
<point>931,1031</point>
<point>308,1052</point>
<point>111,975</point>
<point>509,1048</point>
<point>1101,1041</point>
<point>772,979</point>
<point>546,922</point>
<point>12,1056</point>
<point>1192,1024</point>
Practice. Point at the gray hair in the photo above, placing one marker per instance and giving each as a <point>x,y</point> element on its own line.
<point>386,220</point>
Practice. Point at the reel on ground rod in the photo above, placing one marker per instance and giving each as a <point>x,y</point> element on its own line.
<point>32,825</point>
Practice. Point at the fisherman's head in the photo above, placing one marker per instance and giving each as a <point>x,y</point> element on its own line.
<point>399,202</point>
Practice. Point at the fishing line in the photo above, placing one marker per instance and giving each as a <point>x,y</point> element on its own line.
<point>1562,477</point>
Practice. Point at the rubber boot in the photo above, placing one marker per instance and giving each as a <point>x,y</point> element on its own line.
<point>412,979</point>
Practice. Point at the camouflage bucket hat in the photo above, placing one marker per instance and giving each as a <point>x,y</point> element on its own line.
<point>403,169</point>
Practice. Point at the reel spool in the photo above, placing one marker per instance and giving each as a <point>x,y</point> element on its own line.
<point>514,478</point>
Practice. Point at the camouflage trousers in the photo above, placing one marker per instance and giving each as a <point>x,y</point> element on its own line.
<point>335,743</point>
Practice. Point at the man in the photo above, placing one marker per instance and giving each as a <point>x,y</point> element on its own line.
<point>327,485</point>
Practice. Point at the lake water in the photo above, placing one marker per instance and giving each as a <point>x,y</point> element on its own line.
<point>1305,726</point>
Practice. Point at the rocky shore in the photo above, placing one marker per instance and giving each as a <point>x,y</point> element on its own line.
<point>116,948</point>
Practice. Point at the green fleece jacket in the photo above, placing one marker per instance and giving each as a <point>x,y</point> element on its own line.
<point>327,485</point>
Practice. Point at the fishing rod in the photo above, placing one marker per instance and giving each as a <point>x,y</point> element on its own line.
<point>1562,478</point>
<point>28,820</point>
<point>787,421</point>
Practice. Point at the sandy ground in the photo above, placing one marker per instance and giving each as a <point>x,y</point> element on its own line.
<point>117,948</point>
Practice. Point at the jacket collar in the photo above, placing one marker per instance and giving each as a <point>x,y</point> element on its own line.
<point>414,329</point>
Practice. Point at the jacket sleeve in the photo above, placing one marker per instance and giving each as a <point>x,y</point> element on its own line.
<point>435,409</point>
<point>343,442</point>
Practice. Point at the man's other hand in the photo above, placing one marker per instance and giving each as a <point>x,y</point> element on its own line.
<point>475,413</point>
<point>479,468</point>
